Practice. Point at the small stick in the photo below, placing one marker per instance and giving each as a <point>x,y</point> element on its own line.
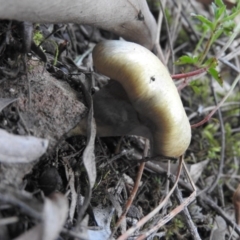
<point>223,144</point>
<point>189,222</point>
<point>134,191</point>
<point>178,209</point>
<point>131,230</point>
<point>170,216</point>
<point>208,117</point>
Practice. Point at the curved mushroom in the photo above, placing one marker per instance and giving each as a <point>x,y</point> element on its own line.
<point>144,102</point>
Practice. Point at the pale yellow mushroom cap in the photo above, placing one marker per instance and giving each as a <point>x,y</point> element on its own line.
<point>151,91</point>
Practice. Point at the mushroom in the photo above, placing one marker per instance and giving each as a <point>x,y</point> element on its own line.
<point>140,100</point>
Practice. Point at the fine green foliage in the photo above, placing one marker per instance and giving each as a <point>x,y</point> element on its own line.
<point>233,142</point>
<point>211,29</point>
<point>177,226</point>
<point>214,147</point>
<point>37,37</point>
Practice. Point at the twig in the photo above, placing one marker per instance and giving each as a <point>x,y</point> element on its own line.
<point>168,35</point>
<point>230,40</point>
<point>203,199</point>
<point>134,191</point>
<point>177,23</point>
<point>23,121</point>
<point>131,230</point>
<point>159,23</point>
<point>206,200</point>
<point>185,82</point>
<point>207,109</point>
<point>24,59</point>
<point>188,22</point>
<point>170,216</point>
<point>236,201</point>
<point>223,60</point>
<point>177,210</point>
<point>234,53</point>
<point>167,185</point>
<point>157,169</point>
<point>220,169</point>
<point>71,183</point>
<point>207,118</point>
<point>157,42</point>
<point>189,74</point>
<point>190,225</point>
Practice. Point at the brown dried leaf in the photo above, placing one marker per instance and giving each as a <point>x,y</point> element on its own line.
<point>194,169</point>
<point>88,154</point>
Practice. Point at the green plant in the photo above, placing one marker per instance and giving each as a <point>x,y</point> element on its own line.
<point>37,37</point>
<point>214,147</point>
<point>177,225</point>
<point>232,142</point>
<point>212,29</point>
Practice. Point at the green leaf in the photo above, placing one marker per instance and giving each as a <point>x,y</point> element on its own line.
<point>214,73</point>
<point>216,149</point>
<point>238,5</point>
<point>214,8</point>
<point>195,87</point>
<point>209,136</point>
<point>228,27</point>
<point>219,3</point>
<point>211,62</point>
<point>219,12</point>
<point>217,34</point>
<point>186,60</point>
<point>233,15</point>
<point>204,20</point>
<point>229,24</point>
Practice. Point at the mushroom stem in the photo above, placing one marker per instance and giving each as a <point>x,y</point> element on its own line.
<point>151,93</point>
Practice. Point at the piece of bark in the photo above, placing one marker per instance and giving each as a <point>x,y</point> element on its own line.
<point>54,109</point>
